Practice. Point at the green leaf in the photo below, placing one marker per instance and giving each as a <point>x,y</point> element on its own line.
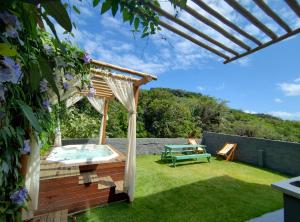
<point>56,9</point>
<point>27,111</point>
<point>136,23</point>
<point>115,7</point>
<point>95,2</point>
<point>47,72</point>
<point>105,6</point>
<point>76,9</point>
<point>7,49</point>
<point>34,75</point>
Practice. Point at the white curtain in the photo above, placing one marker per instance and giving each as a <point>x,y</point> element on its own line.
<point>123,90</point>
<point>32,179</point>
<point>73,99</point>
<point>98,104</point>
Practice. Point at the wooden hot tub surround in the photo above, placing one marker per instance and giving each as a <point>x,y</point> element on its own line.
<point>80,186</point>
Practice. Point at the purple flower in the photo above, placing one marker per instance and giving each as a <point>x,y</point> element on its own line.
<point>46,105</point>
<point>12,24</point>
<point>11,72</point>
<point>86,58</point>
<point>11,32</point>
<point>66,85</point>
<point>91,92</point>
<point>43,85</point>
<point>68,76</point>
<point>19,196</point>
<point>26,147</point>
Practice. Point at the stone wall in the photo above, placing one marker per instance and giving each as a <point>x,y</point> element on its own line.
<point>272,154</point>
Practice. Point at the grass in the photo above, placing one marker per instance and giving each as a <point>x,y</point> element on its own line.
<point>194,191</point>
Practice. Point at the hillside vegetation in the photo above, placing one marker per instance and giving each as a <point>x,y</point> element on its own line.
<point>166,112</point>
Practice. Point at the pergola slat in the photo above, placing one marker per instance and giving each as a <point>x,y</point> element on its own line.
<point>101,86</point>
<point>192,29</point>
<point>197,42</point>
<point>99,73</point>
<point>119,68</point>
<point>251,18</point>
<point>100,89</point>
<point>98,95</point>
<point>293,4</point>
<point>216,27</point>
<point>272,14</point>
<point>221,18</point>
<point>283,37</point>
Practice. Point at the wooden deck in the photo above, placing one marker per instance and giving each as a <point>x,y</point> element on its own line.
<point>57,216</point>
<point>80,186</point>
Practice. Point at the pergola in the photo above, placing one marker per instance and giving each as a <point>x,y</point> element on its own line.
<point>103,90</point>
<point>228,29</point>
<point>108,84</point>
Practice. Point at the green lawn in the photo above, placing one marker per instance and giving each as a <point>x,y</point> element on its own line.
<point>219,191</point>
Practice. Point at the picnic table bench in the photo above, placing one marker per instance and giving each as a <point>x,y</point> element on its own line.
<point>184,152</point>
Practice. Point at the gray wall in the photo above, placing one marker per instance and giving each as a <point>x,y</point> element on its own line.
<point>144,145</point>
<point>277,155</point>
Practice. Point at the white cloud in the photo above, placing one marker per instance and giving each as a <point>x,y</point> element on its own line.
<point>286,115</point>
<point>297,80</point>
<point>277,100</point>
<point>201,88</point>
<point>290,89</point>
<point>249,111</point>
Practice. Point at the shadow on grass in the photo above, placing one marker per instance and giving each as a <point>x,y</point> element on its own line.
<point>214,200</point>
<point>182,162</point>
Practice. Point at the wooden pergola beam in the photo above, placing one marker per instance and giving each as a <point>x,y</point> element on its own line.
<point>216,27</point>
<point>244,12</point>
<point>119,68</point>
<point>283,37</point>
<point>102,84</point>
<point>227,22</point>
<point>105,111</point>
<point>190,38</point>
<point>98,95</point>
<point>100,81</point>
<point>293,4</point>
<point>142,81</point>
<point>97,73</point>
<point>104,90</point>
<point>191,28</point>
<point>261,4</point>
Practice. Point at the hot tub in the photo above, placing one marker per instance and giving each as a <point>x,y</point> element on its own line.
<point>82,153</point>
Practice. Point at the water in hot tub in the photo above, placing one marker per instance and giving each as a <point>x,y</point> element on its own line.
<point>76,152</point>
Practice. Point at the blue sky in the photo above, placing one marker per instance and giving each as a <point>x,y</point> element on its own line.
<point>265,82</point>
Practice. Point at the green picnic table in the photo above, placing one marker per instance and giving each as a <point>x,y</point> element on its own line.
<point>184,152</point>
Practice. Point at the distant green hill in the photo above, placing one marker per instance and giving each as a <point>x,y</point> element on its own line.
<point>164,112</point>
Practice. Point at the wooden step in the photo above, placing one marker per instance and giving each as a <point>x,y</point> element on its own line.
<point>105,182</point>
<point>88,177</point>
<point>119,186</point>
<point>56,216</point>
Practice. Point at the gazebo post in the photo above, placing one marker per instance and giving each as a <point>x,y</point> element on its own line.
<point>105,110</point>
<point>136,90</point>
